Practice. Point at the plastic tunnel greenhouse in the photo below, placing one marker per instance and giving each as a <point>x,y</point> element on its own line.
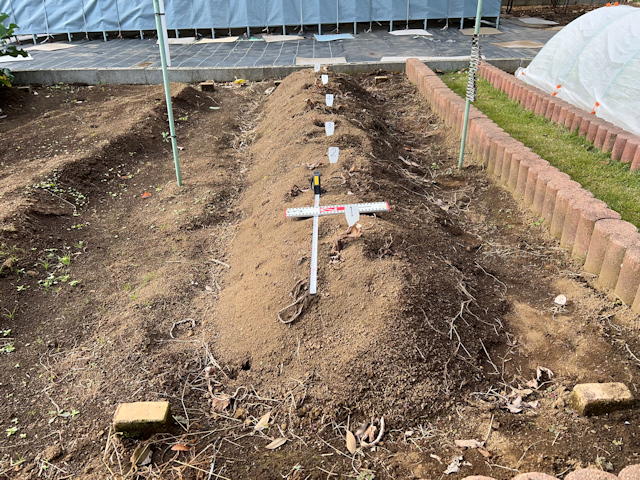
<point>594,63</point>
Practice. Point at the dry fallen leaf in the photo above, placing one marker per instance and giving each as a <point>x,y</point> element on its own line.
<point>541,370</point>
<point>145,195</point>
<point>262,423</point>
<point>362,429</point>
<point>276,443</point>
<point>454,466</point>
<point>371,433</point>
<point>484,453</point>
<point>354,231</point>
<point>219,404</point>
<point>180,448</point>
<point>142,455</point>
<point>351,442</point>
<point>469,444</point>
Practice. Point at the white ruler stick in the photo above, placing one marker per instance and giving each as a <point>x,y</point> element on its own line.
<point>305,212</point>
<point>313,281</point>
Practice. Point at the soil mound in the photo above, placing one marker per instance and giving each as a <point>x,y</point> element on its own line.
<point>86,147</point>
<point>402,309</point>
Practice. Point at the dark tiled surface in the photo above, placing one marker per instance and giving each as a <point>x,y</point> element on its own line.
<point>365,47</point>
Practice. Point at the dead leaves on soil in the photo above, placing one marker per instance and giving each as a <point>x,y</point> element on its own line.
<point>354,231</point>
<point>351,442</point>
<point>514,402</point>
<point>278,442</point>
<point>469,444</point>
<point>263,422</point>
<point>218,404</point>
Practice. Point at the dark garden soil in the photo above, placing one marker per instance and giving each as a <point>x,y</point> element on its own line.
<point>561,14</point>
<point>120,286</point>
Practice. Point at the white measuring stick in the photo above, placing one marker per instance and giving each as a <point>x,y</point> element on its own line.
<point>313,280</point>
<point>306,212</point>
<point>329,99</point>
<point>325,79</point>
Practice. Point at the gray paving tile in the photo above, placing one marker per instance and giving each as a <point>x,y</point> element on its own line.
<point>365,47</point>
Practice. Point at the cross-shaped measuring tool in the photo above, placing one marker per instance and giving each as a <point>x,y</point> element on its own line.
<point>317,211</point>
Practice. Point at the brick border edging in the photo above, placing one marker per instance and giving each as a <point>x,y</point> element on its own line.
<point>585,226</point>
<point>623,146</point>
<point>632,472</point>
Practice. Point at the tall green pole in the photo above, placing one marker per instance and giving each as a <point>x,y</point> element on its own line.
<point>167,93</point>
<point>471,86</point>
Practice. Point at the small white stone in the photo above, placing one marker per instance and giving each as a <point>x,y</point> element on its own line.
<point>560,300</point>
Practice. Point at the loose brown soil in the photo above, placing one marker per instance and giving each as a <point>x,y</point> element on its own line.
<point>431,319</point>
<point>561,14</point>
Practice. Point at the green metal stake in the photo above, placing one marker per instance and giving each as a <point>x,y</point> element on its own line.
<point>165,78</point>
<point>471,86</point>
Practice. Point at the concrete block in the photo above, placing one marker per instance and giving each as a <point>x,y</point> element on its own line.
<point>601,134</point>
<point>568,121</point>
<point>632,472</point>
<point>618,145</point>
<point>556,113</point>
<point>534,476</point>
<point>600,398</point>
<point>586,224</point>
<point>139,418</point>
<point>577,120</point>
<point>544,177</point>
<point>550,107</point>
<point>207,86</point>
<point>613,256</point>
<point>567,194</point>
<point>630,149</point>
<point>590,474</point>
<point>629,277</point>
<point>532,180</point>
<point>610,138</point>
<point>593,130</point>
<point>564,111</point>
<point>585,122</point>
<point>635,163</point>
<point>506,166</point>
<point>559,183</point>
<point>603,231</point>
<point>572,214</point>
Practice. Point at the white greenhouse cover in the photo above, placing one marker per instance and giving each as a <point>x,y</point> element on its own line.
<point>594,63</point>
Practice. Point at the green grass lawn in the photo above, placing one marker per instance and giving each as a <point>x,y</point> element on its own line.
<point>610,181</point>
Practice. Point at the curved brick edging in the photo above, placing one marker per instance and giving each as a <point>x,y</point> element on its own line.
<point>585,226</point>
<point>631,472</point>
<point>623,145</point>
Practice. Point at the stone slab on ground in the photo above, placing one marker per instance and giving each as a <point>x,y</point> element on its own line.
<point>534,476</point>
<point>632,472</point>
<point>590,474</point>
<point>599,398</point>
<point>139,418</point>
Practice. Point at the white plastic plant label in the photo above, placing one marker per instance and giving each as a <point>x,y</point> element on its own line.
<point>334,153</point>
<point>329,99</point>
<point>325,79</point>
<point>353,214</point>
<point>316,67</point>
<point>329,127</point>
